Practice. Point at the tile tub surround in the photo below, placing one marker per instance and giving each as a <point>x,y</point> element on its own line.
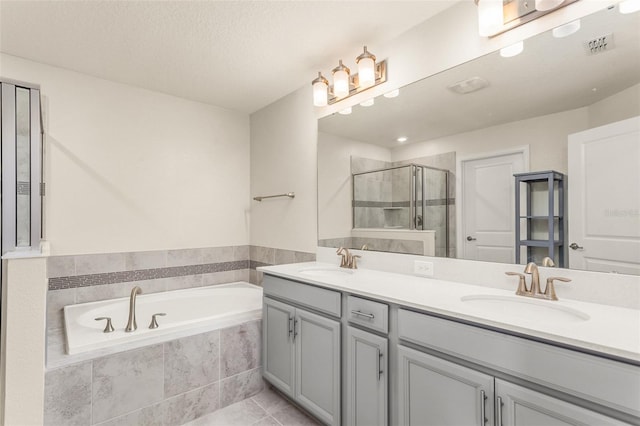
<point>170,383</point>
<point>93,277</point>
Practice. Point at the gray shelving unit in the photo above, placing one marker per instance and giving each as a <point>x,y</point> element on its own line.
<point>543,226</point>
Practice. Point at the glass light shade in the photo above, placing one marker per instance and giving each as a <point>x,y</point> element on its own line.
<point>340,80</point>
<point>392,94</point>
<point>367,72</point>
<point>345,111</point>
<point>543,5</point>
<point>320,93</point>
<point>490,17</point>
<point>566,29</point>
<point>629,6</point>
<point>513,50</point>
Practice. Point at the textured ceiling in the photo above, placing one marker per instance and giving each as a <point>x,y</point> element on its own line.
<point>240,55</point>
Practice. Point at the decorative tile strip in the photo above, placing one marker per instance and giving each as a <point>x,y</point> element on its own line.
<point>253,264</point>
<point>365,203</point>
<point>60,283</point>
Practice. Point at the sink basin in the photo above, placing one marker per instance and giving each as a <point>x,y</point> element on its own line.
<point>326,272</point>
<point>523,307</point>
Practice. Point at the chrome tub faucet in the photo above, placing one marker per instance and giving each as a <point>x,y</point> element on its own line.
<point>131,324</point>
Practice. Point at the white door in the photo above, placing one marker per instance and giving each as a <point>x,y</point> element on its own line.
<point>487,207</point>
<point>604,198</point>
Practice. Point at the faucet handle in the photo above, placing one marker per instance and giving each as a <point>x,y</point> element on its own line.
<point>154,322</point>
<point>108,328</point>
<point>354,261</point>
<point>522,284</point>
<point>550,291</point>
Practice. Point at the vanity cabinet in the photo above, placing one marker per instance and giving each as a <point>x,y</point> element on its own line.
<point>367,378</point>
<point>435,392</point>
<point>301,349</point>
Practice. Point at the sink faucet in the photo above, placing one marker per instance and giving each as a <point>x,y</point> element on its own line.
<point>347,259</point>
<point>532,269</point>
<point>131,324</point>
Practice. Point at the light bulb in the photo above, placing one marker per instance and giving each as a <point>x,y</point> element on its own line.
<point>366,69</point>
<point>320,86</point>
<point>544,5</point>
<point>513,50</point>
<point>490,17</point>
<point>341,80</point>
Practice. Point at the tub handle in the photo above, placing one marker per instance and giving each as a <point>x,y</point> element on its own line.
<point>154,322</point>
<point>108,328</point>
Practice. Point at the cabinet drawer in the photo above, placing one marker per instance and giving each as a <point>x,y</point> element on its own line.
<point>367,313</point>
<point>319,299</point>
<point>610,383</point>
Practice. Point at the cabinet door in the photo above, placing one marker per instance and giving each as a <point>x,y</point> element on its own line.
<point>520,406</point>
<point>366,378</point>
<point>440,393</point>
<point>277,347</point>
<point>317,343</point>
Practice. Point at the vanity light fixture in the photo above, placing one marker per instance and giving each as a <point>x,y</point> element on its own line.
<point>370,74</point>
<point>320,86</point>
<point>498,16</point>
<point>544,5</point>
<point>392,94</point>
<point>512,50</point>
<point>566,29</point>
<point>629,6</point>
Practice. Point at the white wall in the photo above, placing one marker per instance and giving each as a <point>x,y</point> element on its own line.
<point>334,181</point>
<point>283,159</point>
<point>622,105</point>
<point>545,135</point>
<point>128,169</point>
<point>448,39</point>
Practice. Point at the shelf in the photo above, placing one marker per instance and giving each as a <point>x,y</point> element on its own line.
<point>539,217</point>
<point>539,243</point>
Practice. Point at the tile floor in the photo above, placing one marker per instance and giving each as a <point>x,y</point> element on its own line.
<point>267,408</point>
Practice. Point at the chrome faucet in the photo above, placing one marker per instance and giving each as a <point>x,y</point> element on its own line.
<point>131,324</point>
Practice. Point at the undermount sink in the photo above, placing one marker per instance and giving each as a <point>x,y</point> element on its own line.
<point>326,272</point>
<point>519,306</point>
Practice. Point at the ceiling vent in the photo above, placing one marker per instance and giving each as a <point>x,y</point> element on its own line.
<point>599,44</point>
<point>469,85</point>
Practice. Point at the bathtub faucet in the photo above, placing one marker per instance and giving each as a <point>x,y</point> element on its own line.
<point>131,324</point>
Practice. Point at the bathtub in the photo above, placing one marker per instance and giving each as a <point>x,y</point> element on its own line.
<point>189,312</point>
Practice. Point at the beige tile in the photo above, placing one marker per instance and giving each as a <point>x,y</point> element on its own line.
<point>61,266</point>
<point>67,395</point>
<point>100,263</point>
<point>241,387</point>
<point>242,413</point>
<point>191,406</point>
<point>240,348</point>
<point>191,362</point>
<point>270,400</point>
<point>241,252</point>
<point>217,254</point>
<point>56,301</point>
<point>292,416</point>
<point>145,260</point>
<point>184,257</point>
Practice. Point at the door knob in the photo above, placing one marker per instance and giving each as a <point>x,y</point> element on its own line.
<point>470,238</point>
<point>574,246</point>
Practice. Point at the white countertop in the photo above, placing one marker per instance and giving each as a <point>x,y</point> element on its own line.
<point>609,330</point>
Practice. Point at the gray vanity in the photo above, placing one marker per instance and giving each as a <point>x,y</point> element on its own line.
<point>350,357</point>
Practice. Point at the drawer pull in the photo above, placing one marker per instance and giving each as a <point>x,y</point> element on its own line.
<point>499,411</point>
<point>363,314</point>
<point>290,327</point>
<point>483,398</point>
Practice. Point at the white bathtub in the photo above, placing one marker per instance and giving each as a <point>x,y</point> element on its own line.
<point>189,312</point>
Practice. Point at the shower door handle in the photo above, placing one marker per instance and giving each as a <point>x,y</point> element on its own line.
<point>470,238</point>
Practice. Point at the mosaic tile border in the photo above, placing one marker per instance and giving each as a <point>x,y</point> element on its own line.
<point>89,280</point>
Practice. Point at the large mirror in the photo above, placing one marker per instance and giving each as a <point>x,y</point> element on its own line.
<point>504,159</point>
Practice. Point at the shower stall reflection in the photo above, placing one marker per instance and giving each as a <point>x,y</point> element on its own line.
<point>411,199</point>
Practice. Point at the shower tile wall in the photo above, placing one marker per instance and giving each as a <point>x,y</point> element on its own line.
<point>372,192</point>
<point>170,383</point>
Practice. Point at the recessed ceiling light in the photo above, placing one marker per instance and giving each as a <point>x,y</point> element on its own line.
<point>513,50</point>
<point>469,85</point>
<point>345,111</point>
<point>392,94</point>
<point>629,6</point>
<point>367,103</point>
<point>402,139</point>
<point>566,29</point>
